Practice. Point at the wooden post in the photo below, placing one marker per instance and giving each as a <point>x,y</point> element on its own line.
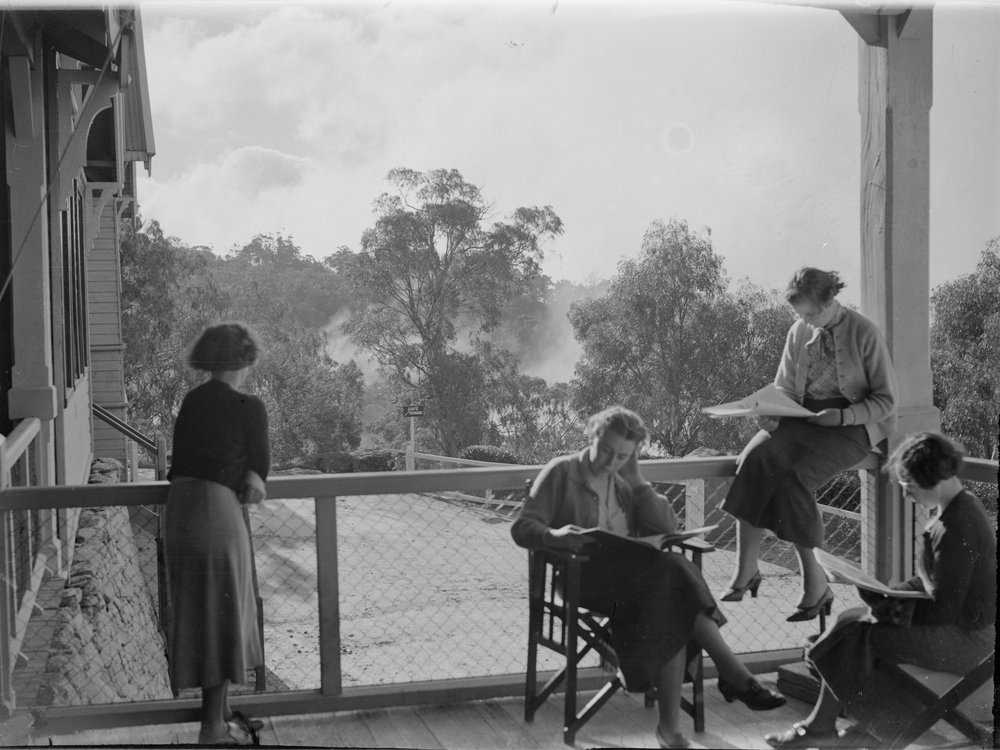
<point>33,392</point>
<point>161,457</point>
<point>328,585</point>
<point>8,604</point>
<point>894,100</point>
<point>412,447</point>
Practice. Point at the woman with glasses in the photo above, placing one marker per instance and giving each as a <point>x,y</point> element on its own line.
<point>836,364</point>
<point>951,630</point>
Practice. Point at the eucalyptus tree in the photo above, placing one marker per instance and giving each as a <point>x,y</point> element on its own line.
<point>668,339</point>
<point>965,354</point>
<point>168,294</point>
<point>433,266</point>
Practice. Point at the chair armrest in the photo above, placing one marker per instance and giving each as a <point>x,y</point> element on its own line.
<point>563,555</point>
<point>697,545</point>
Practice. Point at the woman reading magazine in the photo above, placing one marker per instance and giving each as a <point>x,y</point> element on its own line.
<point>951,630</point>
<point>663,611</point>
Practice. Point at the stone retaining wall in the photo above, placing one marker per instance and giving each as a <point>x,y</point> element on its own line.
<point>106,646</point>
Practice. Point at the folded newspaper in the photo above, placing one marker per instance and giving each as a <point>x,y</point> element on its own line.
<point>844,571</point>
<point>769,401</point>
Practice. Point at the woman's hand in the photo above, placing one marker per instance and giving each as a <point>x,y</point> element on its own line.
<point>630,471</point>
<point>253,491</point>
<point>827,418</point>
<point>568,538</point>
<point>769,424</point>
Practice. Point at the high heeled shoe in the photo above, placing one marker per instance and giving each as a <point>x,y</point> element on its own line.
<point>735,593</point>
<point>823,604</point>
<point>756,696</point>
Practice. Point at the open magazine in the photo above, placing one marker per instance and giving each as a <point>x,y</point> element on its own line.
<point>769,401</point>
<point>657,541</point>
<point>843,570</point>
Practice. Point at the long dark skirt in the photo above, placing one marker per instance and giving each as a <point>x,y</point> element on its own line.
<point>213,633</point>
<point>778,474</point>
<point>845,657</point>
<point>653,598</point>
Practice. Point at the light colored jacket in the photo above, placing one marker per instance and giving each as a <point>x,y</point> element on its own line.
<point>864,372</point>
<point>560,495</point>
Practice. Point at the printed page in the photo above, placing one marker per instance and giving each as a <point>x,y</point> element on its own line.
<point>769,401</point>
<point>843,570</point>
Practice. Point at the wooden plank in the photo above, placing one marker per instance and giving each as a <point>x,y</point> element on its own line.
<point>513,733</point>
<point>98,287</point>
<point>458,725</point>
<point>102,304</point>
<point>335,729</point>
<point>105,376</point>
<point>105,335</point>
<point>394,727</point>
<point>105,319</point>
<point>624,717</point>
<point>624,721</point>
<point>102,265</point>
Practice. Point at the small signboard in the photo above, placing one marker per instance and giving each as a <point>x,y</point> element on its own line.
<point>413,410</point>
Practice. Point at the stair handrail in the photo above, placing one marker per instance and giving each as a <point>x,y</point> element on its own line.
<point>124,428</point>
<point>156,445</point>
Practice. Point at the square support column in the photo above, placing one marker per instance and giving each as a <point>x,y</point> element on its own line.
<point>895,77</point>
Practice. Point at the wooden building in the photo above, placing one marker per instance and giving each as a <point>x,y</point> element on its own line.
<point>76,121</point>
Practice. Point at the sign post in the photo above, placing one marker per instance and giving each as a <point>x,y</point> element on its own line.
<point>412,411</point>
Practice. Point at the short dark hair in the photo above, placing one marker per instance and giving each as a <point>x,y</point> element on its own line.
<point>618,419</point>
<point>225,346</point>
<point>814,285</point>
<point>926,458</point>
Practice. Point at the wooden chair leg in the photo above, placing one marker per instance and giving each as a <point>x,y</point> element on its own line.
<point>592,707</point>
<point>698,694</point>
<point>531,680</point>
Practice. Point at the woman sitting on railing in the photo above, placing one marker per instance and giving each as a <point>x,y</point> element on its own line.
<point>951,631</point>
<point>221,457</point>
<point>836,364</point>
<point>663,611</point>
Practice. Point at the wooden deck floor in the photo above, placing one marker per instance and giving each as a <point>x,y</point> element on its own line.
<point>484,725</point>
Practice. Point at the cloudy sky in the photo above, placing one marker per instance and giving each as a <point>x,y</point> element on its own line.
<point>741,117</point>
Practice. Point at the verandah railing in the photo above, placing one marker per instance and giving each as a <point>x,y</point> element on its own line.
<point>379,592</point>
<point>32,544</point>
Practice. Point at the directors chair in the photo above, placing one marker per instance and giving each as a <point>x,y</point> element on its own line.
<point>941,693</point>
<point>557,622</point>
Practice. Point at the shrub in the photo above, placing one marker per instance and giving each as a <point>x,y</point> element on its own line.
<point>374,460</point>
<point>490,453</point>
<point>335,462</point>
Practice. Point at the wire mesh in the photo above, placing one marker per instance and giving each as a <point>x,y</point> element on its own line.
<point>432,587</point>
<point>93,637</point>
<point>758,623</point>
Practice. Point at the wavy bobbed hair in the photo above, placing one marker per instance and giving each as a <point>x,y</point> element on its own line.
<point>813,285</point>
<point>618,419</point>
<point>225,346</point>
<point>926,458</point>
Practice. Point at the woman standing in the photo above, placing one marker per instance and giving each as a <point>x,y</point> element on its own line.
<point>952,631</point>
<point>836,364</point>
<point>221,457</point>
<point>663,610</point>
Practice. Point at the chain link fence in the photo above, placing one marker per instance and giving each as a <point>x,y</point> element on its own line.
<point>432,587</point>
<point>758,623</point>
